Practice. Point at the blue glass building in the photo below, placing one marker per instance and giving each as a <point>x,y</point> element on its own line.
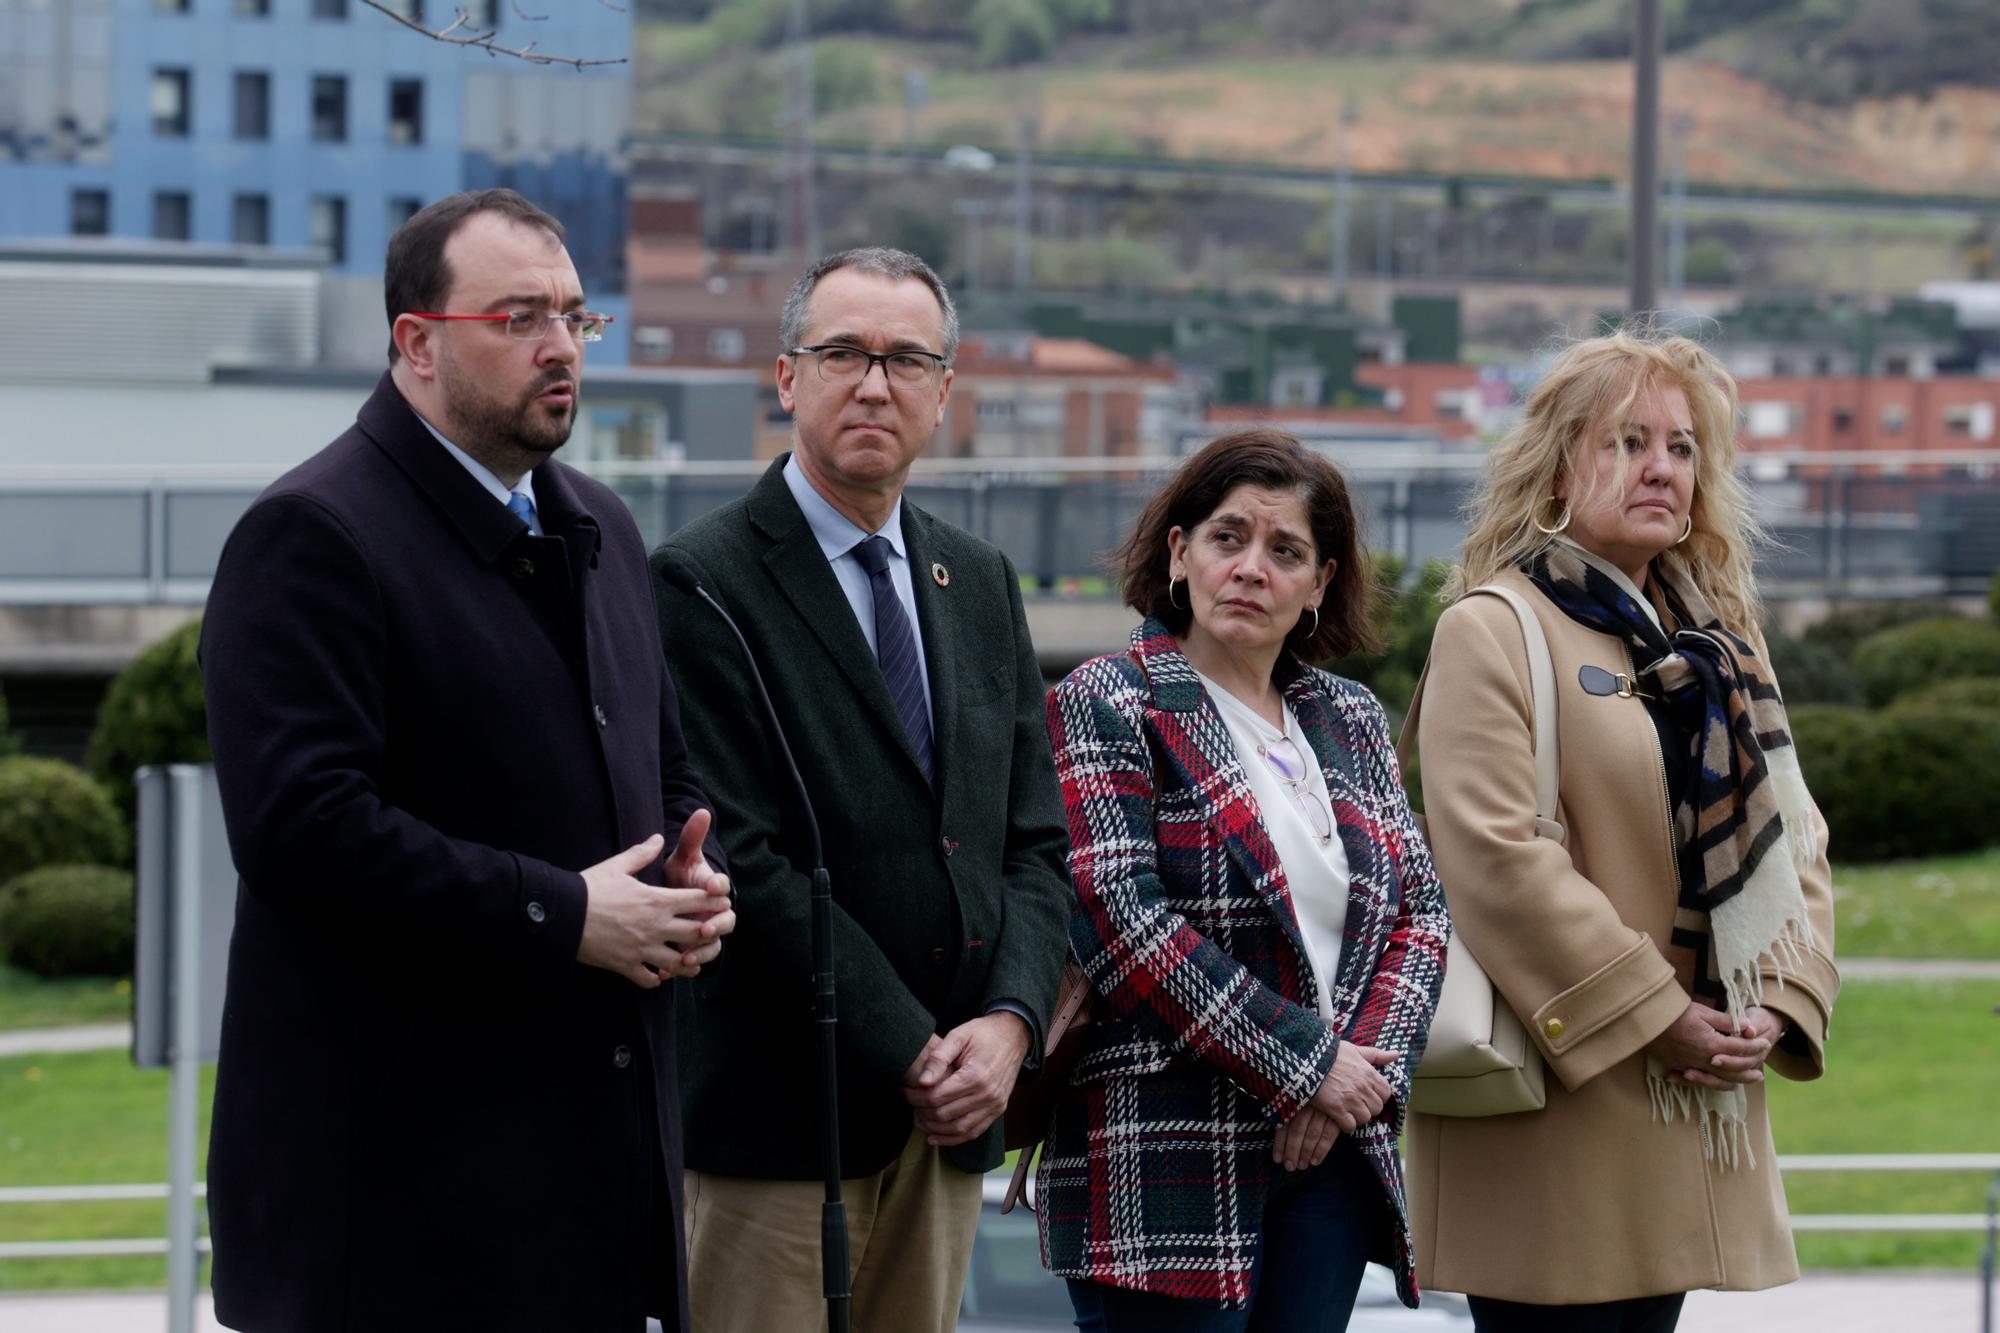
<point>308,123</point>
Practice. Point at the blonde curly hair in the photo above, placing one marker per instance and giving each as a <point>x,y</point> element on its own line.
<point>1592,383</point>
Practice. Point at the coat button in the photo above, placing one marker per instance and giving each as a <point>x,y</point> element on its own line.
<point>524,568</point>
<point>536,914</point>
<point>621,1057</point>
<point>950,845</point>
<point>602,721</point>
<point>1554,1028</point>
<point>937,955</point>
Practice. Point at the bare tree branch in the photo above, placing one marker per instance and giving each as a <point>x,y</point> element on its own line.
<point>522,13</point>
<point>451,35</point>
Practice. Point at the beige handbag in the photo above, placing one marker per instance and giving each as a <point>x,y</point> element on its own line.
<point>1480,1060</point>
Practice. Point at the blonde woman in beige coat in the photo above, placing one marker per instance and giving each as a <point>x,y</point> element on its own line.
<point>1677,946</point>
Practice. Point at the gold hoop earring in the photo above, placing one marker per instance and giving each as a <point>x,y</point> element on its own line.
<point>1170,595</point>
<point>1686,532</point>
<point>1568,512</point>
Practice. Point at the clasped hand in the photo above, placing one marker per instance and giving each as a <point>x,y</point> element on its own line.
<point>1352,1094</point>
<point>1705,1048</point>
<point>648,934</point>
<point>960,1082</point>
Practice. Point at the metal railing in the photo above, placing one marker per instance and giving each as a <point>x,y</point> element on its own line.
<point>1849,524</point>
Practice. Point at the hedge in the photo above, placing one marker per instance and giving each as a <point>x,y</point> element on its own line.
<point>1810,672</point>
<point>68,920</point>
<point>1978,692</point>
<point>1847,626</point>
<point>153,714</point>
<point>1911,657</point>
<point>52,813</point>
<point>1913,780</point>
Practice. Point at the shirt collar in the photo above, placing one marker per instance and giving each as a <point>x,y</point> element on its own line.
<point>480,472</point>
<point>836,533</point>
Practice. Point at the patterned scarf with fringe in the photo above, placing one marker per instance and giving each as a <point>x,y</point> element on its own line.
<point>1744,821</point>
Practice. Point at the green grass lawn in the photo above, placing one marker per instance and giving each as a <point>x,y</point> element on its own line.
<point>1942,907</point>
<point>1910,1070</point>
<point>29,1001</point>
<point>85,1119</point>
<point>1911,1067</point>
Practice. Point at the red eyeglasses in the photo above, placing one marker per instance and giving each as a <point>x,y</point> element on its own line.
<point>533,325</point>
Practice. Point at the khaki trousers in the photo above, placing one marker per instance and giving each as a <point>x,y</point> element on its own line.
<point>753,1248</point>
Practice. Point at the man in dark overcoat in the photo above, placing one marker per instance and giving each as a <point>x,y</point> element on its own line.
<point>469,838</point>
<point>898,657</point>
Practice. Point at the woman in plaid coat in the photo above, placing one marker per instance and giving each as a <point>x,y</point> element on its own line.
<point>1257,914</point>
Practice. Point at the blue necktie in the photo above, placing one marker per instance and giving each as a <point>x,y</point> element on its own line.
<point>896,650</point>
<point>521,507</point>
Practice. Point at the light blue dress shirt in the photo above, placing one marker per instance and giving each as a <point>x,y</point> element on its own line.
<point>484,475</point>
<point>838,535</point>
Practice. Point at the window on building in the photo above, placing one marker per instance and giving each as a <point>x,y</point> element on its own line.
<point>1894,415</point>
<point>253,9</point>
<point>654,342</point>
<point>253,104</point>
<point>173,212</point>
<point>329,108</point>
<point>1843,420</point>
<point>406,111</point>
<point>171,103</point>
<point>725,344</point>
<point>329,226</point>
<point>329,9</point>
<point>250,219</point>
<point>90,212</point>
<point>1958,419</point>
<point>401,210</point>
<point>1896,366</point>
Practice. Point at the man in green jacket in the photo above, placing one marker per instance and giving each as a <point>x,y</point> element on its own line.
<point>897,655</point>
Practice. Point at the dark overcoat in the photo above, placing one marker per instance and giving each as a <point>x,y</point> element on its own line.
<point>945,900</point>
<point>426,722</point>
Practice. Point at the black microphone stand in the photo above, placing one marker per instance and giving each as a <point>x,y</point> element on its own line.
<point>833,1213</point>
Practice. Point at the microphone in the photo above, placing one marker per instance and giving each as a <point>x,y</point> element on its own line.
<point>679,573</point>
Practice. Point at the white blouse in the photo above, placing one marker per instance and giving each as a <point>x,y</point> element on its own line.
<point>1315,872</point>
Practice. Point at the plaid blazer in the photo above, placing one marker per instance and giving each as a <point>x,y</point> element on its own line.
<point>1206,1037</point>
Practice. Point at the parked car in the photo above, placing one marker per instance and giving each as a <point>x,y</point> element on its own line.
<point>1008,1291</point>
<point>968,157</point>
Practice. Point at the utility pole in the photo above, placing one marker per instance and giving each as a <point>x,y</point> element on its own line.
<point>799,136</point>
<point>1385,273</point>
<point>1342,185</point>
<point>1678,125</point>
<point>1024,222</point>
<point>1645,156</point>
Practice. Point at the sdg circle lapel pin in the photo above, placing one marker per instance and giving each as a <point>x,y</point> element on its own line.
<point>940,575</point>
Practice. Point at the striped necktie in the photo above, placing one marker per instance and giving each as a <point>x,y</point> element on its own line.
<point>896,651</point>
<point>521,507</point>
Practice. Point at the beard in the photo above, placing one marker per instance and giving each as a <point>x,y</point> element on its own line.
<point>486,420</point>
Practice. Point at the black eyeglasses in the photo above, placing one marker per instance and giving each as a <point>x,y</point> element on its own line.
<point>839,364</point>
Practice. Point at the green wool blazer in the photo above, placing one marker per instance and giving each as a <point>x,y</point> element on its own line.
<point>946,901</point>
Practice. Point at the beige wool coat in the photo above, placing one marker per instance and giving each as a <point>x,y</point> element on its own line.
<point>1589,1199</point>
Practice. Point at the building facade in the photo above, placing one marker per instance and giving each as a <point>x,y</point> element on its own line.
<point>318,124</point>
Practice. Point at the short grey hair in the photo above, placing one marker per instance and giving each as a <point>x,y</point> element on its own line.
<point>895,265</point>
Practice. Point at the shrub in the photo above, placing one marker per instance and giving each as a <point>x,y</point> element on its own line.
<point>68,920</point>
<point>1405,622</point>
<point>1844,628</point>
<point>1914,780</point>
<point>51,813</point>
<point>9,742</point>
<point>1011,32</point>
<point>1981,693</point>
<point>153,714</point>
<point>1810,672</point>
<point>1910,657</point>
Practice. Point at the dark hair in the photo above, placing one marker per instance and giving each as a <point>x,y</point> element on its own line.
<point>415,275</point>
<point>1275,461</point>
<point>896,265</point>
